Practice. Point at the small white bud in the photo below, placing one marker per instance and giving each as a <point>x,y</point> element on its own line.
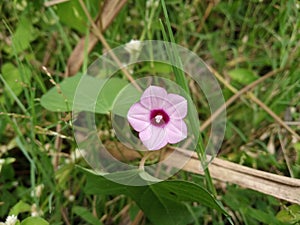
<point>152,3</point>
<point>106,133</point>
<point>34,214</point>
<point>294,140</point>
<point>149,3</point>
<point>133,46</point>
<point>77,154</point>
<point>112,133</point>
<point>71,198</point>
<point>38,190</point>
<point>35,211</point>
<point>293,110</point>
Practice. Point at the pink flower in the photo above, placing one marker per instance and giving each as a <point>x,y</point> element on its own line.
<point>158,117</point>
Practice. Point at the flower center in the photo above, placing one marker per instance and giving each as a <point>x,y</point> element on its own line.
<point>159,117</point>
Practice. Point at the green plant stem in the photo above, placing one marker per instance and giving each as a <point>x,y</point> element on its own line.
<point>173,54</point>
<point>202,157</point>
<point>182,81</point>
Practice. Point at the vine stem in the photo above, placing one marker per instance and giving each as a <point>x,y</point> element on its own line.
<point>143,160</point>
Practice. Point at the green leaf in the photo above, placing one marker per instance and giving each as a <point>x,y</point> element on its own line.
<point>163,203</point>
<point>289,215</point>
<point>61,99</point>
<point>161,210</point>
<point>125,99</point>
<point>24,35</point>
<point>86,215</point>
<point>187,191</point>
<point>11,75</point>
<point>243,76</point>
<point>20,207</point>
<point>72,15</point>
<point>97,184</point>
<point>243,200</point>
<point>265,218</point>
<point>34,221</point>
<point>156,67</point>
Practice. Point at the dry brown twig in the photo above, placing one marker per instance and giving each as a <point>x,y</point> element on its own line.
<point>281,187</point>
<point>207,12</point>
<point>138,218</point>
<point>109,11</point>
<point>282,142</point>
<point>64,215</point>
<point>237,94</point>
<point>14,115</point>
<point>99,35</point>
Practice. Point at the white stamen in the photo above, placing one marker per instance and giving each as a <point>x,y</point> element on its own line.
<point>158,118</point>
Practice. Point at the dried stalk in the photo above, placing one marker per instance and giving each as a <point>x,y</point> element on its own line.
<point>281,187</point>
<point>110,10</point>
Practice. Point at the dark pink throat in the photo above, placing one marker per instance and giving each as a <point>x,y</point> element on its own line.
<point>159,117</point>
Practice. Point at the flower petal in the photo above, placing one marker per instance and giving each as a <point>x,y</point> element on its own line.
<point>154,138</point>
<point>154,97</point>
<point>176,131</point>
<point>138,117</point>
<point>176,107</point>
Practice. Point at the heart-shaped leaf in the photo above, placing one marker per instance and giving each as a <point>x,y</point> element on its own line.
<point>86,92</point>
<point>162,202</point>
